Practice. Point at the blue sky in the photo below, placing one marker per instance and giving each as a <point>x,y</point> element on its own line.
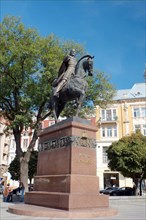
<point>114,31</point>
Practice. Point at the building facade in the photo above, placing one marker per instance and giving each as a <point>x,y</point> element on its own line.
<point>8,145</point>
<point>4,147</point>
<point>125,115</point>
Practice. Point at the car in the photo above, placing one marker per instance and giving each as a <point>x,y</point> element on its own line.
<point>108,190</point>
<point>123,191</point>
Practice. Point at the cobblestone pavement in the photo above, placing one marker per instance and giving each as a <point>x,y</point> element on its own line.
<point>129,208</point>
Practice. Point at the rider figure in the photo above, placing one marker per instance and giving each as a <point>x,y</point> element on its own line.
<point>66,71</point>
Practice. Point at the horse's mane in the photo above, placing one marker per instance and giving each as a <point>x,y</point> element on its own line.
<point>85,56</point>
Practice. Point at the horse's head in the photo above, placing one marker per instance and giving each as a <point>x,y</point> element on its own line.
<point>85,65</point>
<point>89,66</point>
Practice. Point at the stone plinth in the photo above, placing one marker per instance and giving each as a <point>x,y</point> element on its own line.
<point>66,172</point>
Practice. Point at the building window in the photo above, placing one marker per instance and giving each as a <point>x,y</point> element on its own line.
<point>108,114</point>
<point>137,128</point>
<point>115,131</point>
<point>103,115</point>
<point>136,112</point>
<point>104,154</point>
<point>109,131</point>
<point>141,128</point>
<point>143,112</point>
<point>111,179</point>
<point>103,132</point>
<point>114,114</point>
<point>139,112</point>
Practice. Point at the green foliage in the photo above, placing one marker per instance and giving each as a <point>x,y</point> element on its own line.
<point>14,167</point>
<point>26,70</point>
<point>128,156</point>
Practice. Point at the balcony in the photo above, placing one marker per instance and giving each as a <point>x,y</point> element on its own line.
<point>108,120</point>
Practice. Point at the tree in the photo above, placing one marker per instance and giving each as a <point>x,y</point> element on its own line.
<point>28,65</point>
<point>128,156</point>
<point>14,167</point>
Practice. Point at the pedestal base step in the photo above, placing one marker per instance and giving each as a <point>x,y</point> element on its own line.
<point>66,201</point>
<point>31,210</point>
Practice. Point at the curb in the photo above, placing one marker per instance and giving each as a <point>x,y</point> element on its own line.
<point>129,198</point>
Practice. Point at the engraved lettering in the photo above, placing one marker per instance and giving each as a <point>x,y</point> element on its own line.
<point>67,141</point>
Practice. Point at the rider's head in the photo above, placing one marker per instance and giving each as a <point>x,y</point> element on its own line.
<point>72,52</point>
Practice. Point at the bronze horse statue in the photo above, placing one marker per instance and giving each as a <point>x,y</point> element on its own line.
<point>75,89</point>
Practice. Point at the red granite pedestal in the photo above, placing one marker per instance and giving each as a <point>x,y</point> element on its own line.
<point>66,185</point>
<point>66,173</point>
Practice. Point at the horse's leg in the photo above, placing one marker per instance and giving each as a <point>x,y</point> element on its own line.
<point>79,102</point>
<point>54,108</point>
<point>60,108</point>
<point>54,103</point>
<point>81,97</point>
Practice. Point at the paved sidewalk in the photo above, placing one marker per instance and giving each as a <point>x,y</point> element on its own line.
<point>129,208</point>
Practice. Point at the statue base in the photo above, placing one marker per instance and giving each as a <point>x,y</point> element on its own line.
<point>66,171</point>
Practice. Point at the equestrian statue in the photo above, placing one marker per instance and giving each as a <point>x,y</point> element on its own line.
<point>71,84</point>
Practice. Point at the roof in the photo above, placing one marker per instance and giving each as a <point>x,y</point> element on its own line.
<point>137,91</point>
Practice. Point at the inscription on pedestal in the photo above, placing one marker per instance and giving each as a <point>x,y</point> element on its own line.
<point>67,141</point>
<point>85,159</point>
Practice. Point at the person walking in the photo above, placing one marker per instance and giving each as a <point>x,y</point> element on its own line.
<point>7,193</point>
<point>21,190</point>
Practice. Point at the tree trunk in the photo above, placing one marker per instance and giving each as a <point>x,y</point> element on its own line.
<point>17,135</point>
<point>24,169</point>
<point>140,184</point>
<point>135,180</point>
<point>140,187</point>
<point>25,160</point>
